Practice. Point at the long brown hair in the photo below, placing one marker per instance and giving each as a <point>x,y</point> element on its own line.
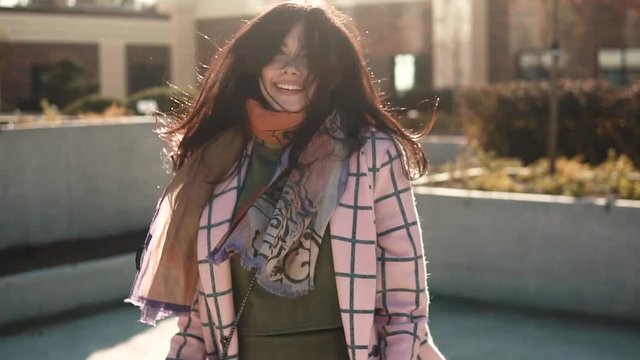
<point>336,63</point>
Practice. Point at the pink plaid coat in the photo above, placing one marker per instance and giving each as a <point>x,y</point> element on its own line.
<point>378,262</point>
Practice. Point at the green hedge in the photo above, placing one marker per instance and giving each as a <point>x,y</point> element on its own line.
<point>511,119</point>
<point>91,104</point>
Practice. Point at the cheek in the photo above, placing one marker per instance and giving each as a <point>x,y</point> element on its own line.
<point>268,72</point>
<point>264,77</point>
<point>311,90</point>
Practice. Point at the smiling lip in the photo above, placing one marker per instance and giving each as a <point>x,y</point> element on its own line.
<point>288,87</point>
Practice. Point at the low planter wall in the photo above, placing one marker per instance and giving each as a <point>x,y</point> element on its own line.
<point>552,252</point>
<point>78,180</point>
<point>51,291</point>
<point>441,149</point>
<point>91,179</point>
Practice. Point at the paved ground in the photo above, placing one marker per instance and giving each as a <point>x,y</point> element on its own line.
<point>463,331</point>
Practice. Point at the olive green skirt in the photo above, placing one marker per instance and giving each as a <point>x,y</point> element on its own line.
<point>308,345</point>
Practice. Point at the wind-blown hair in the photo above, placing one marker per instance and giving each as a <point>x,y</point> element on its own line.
<point>336,63</point>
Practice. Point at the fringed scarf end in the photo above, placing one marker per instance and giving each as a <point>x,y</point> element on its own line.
<point>152,311</point>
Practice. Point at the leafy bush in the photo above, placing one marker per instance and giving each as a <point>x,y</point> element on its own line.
<point>113,111</point>
<point>164,97</point>
<point>96,104</point>
<point>615,176</point>
<point>511,119</point>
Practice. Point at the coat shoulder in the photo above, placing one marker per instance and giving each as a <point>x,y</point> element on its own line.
<point>379,146</point>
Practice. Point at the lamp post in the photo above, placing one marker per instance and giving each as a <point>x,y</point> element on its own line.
<point>553,92</point>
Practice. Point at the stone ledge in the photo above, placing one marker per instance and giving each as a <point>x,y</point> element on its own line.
<point>559,253</point>
<point>44,293</point>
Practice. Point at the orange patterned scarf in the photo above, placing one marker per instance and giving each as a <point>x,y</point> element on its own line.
<point>279,233</point>
<point>273,128</point>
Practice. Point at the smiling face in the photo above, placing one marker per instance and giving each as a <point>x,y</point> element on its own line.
<point>283,81</point>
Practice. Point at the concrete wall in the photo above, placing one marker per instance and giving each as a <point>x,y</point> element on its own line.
<point>442,149</point>
<point>46,292</point>
<point>93,179</point>
<point>85,180</point>
<point>551,252</point>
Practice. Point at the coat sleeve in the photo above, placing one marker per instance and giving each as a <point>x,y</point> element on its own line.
<point>188,343</point>
<point>402,299</point>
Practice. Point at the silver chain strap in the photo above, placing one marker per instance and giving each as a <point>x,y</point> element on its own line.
<point>226,340</point>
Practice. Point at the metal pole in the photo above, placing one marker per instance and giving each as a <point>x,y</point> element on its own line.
<point>553,94</point>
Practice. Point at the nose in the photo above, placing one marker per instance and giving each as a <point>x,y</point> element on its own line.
<point>294,66</point>
<point>291,70</point>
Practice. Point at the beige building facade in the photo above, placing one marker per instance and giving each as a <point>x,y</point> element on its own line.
<point>111,50</point>
<point>413,47</point>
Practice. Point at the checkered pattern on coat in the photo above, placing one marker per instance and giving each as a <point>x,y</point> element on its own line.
<point>378,263</point>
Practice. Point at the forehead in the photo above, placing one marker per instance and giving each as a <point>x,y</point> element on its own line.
<point>294,38</point>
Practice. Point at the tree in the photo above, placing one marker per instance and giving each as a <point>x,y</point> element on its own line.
<point>62,82</point>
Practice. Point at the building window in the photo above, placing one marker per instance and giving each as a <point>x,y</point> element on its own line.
<point>404,73</point>
<point>620,67</point>
<point>411,73</point>
<point>536,64</point>
<point>145,76</point>
<point>147,67</point>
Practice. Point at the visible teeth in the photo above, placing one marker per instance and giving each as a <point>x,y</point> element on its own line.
<point>288,87</point>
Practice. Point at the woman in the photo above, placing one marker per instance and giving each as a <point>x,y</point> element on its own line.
<point>289,229</point>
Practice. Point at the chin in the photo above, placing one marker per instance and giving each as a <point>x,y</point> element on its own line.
<point>293,108</point>
<point>288,106</point>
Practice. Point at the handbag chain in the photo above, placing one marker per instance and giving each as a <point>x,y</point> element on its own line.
<point>226,340</point>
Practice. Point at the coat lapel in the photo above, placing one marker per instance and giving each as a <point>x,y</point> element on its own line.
<point>219,312</point>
